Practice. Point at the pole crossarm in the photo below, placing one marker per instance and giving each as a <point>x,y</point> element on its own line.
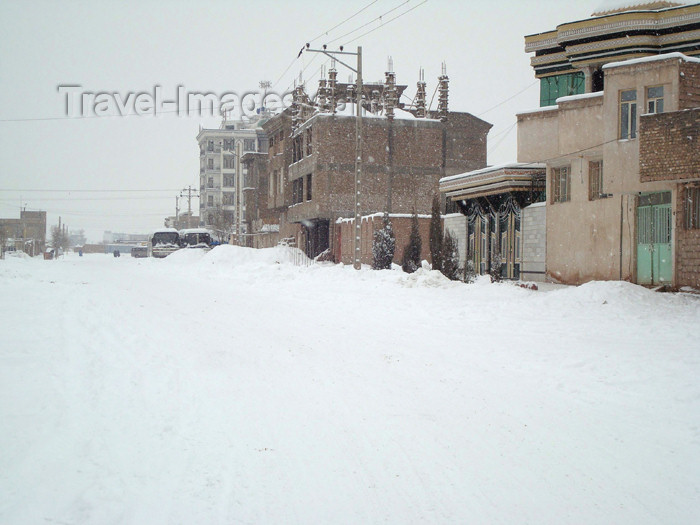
<point>331,54</point>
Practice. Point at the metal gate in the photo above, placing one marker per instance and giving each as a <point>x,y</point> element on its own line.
<point>654,253</point>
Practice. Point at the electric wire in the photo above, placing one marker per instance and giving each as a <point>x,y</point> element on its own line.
<point>368,23</point>
<point>386,23</point>
<point>341,23</point>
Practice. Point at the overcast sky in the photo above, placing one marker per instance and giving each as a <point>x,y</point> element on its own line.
<point>222,46</point>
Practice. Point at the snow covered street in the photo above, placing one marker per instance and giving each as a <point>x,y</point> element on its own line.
<point>234,387</point>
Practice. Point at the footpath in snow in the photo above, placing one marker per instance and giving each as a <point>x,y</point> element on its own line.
<point>236,387</point>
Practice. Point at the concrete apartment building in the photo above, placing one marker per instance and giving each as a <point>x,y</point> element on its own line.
<point>221,173</point>
<point>404,153</point>
<point>621,147</point>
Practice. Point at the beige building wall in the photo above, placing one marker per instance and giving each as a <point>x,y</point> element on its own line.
<point>595,239</point>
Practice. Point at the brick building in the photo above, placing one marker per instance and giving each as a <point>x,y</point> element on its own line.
<point>27,234</point>
<point>261,215</point>
<point>405,151</point>
<point>669,146</point>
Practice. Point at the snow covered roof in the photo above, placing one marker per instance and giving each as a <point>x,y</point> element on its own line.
<point>492,169</point>
<point>537,110</point>
<point>653,58</point>
<point>618,6</point>
<point>492,180</point>
<point>582,96</point>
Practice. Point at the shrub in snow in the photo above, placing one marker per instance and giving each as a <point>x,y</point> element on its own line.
<point>435,239</point>
<point>469,272</point>
<point>450,257</point>
<point>495,269</point>
<point>411,253</point>
<point>383,245</point>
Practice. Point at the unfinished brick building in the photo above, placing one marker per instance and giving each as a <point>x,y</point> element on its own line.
<point>405,151</point>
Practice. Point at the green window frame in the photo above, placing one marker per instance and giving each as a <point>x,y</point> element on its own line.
<point>551,88</point>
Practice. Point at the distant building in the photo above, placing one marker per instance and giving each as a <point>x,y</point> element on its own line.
<point>221,172</point>
<point>27,234</point>
<point>182,221</point>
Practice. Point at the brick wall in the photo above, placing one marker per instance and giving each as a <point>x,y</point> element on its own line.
<point>689,88</point>
<point>401,224</point>
<point>669,146</point>
<point>687,247</point>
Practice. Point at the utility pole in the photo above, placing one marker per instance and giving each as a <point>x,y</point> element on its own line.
<point>358,142</point>
<point>189,191</point>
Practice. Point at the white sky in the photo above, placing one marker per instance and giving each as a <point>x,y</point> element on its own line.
<point>222,46</point>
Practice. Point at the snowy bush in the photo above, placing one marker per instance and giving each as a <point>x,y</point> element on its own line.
<point>411,253</point>
<point>450,257</point>
<point>435,239</point>
<point>383,245</point>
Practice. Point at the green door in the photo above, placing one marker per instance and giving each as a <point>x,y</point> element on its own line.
<point>654,262</point>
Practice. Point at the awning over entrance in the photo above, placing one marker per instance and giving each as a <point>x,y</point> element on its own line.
<point>494,180</point>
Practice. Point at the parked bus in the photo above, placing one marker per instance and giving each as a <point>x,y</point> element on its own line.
<point>164,242</point>
<point>195,238</point>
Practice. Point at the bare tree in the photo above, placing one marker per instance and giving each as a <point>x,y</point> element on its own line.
<point>222,224</point>
<point>3,240</point>
<point>59,240</point>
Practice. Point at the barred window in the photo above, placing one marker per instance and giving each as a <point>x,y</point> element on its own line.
<point>595,180</point>
<point>561,184</point>
<point>692,208</point>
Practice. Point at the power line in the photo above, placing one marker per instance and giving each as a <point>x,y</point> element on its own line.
<point>387,22</point>
<point>89,191</point>
<point>368,23</point>
<point>509,98</point>
<point>341,23</point>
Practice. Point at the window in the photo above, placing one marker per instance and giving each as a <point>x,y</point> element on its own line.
<point>561,184</point>
<point>210,200</point>
<point>309,149</point>
<point>551,88</point>
<point>249,144</point>
<point>628,114</point>
<point>229,162</point>
<point>210,145</point>
<point>297,148</point>
<point>692,208</point>
<point>210,164</point>
<point>308,187</point>
<point>228,198</point>
<point>280,181</point>
<point>210,182</point>
<point>595,180</point>
<point>272,141</point>
<point>297,191</point>
<point>229,180</point>
<point>655,99</point>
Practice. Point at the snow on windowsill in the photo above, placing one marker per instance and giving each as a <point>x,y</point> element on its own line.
<point>582,96</point>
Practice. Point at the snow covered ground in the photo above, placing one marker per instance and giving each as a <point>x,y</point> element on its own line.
<point>233,387</point>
